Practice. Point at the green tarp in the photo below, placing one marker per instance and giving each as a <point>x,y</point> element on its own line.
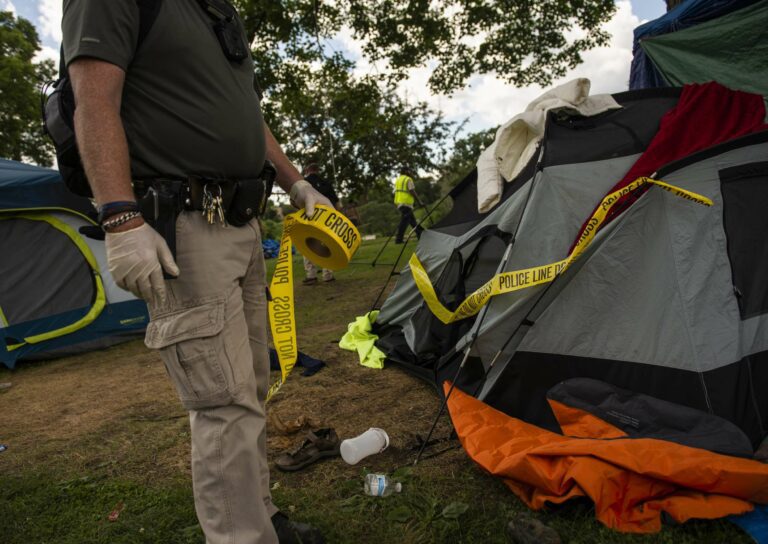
<point>732,50</point>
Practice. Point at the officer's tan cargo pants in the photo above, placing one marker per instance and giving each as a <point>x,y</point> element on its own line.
<point>212,337</point>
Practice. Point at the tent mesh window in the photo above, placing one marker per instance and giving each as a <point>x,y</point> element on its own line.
<point>467,269</point>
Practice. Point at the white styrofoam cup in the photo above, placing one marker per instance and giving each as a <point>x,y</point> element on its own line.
<point>371,441</point>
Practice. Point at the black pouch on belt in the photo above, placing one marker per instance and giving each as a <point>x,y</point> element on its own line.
<point>250,198</point>
<point>160,207</point>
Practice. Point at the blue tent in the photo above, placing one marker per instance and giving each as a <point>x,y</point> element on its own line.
<point>643,74</point>
<point>56,297</point>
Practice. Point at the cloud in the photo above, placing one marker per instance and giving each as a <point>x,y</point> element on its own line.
<point>7,5</point>
<point>488,101</point>
<point>49,20</point>
<point>608,67</point>
<point>46,53</point>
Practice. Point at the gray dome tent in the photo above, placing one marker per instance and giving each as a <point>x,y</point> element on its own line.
<point>660,329</point>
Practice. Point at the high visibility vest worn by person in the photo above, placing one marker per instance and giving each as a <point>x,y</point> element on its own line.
<point>404,200</point>
<point>403,186</point>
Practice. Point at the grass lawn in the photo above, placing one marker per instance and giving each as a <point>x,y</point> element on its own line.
<point>104,432</point>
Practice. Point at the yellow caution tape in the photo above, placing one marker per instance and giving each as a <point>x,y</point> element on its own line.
<point>506,282</point>
<point>329,240</point>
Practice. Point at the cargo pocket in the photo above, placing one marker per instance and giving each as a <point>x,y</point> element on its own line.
<point>192,347</point>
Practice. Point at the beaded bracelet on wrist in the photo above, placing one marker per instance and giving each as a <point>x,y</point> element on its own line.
<point>119,220</point>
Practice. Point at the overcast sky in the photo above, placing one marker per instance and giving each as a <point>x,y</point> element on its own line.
<point>486,102</point>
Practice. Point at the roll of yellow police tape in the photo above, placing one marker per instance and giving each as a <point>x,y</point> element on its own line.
<point>328,238</point>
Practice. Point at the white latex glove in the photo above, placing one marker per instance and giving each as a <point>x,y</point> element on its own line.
<point>303,195</point>
<point>135,257</point>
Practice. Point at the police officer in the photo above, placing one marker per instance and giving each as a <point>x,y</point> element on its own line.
<point>183,106</point>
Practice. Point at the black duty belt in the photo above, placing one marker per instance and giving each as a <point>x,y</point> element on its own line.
<point>237,201</point>
<point>190,191</point>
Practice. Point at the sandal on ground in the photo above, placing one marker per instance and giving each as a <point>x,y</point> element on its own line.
<point>319,444</point>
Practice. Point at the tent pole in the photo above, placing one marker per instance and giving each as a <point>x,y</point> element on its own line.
<point>407,239</point>
<point>443,405</point>
<point>391,273</point>
<point>376,258</point>
<point>501,349</point>
<point>484,388</point>
<point>431,211</point>
<point>427,215</point>
<point>476,327</point>
<point>474,333</point>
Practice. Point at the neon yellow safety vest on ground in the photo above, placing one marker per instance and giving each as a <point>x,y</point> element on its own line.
<point>402,195</point>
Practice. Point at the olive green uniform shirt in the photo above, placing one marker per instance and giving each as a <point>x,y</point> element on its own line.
<point>186,109</point>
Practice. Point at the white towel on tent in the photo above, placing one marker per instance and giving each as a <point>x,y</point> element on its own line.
<point>516,140</point>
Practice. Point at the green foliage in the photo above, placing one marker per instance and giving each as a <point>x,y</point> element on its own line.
<point>60,490</point>
<point>424,515</point>
<point>380,215</point>
<point>523,42</point>
<point>271,211</point>
<point>379,218</point>
<point>359,130</point>
<point>320,105</point>
<point>286,209</point>
<point>21,132</point>
<point>382,192</point>
<point>271,229</point>
<point>427,190</point>
<point>455,502</point>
